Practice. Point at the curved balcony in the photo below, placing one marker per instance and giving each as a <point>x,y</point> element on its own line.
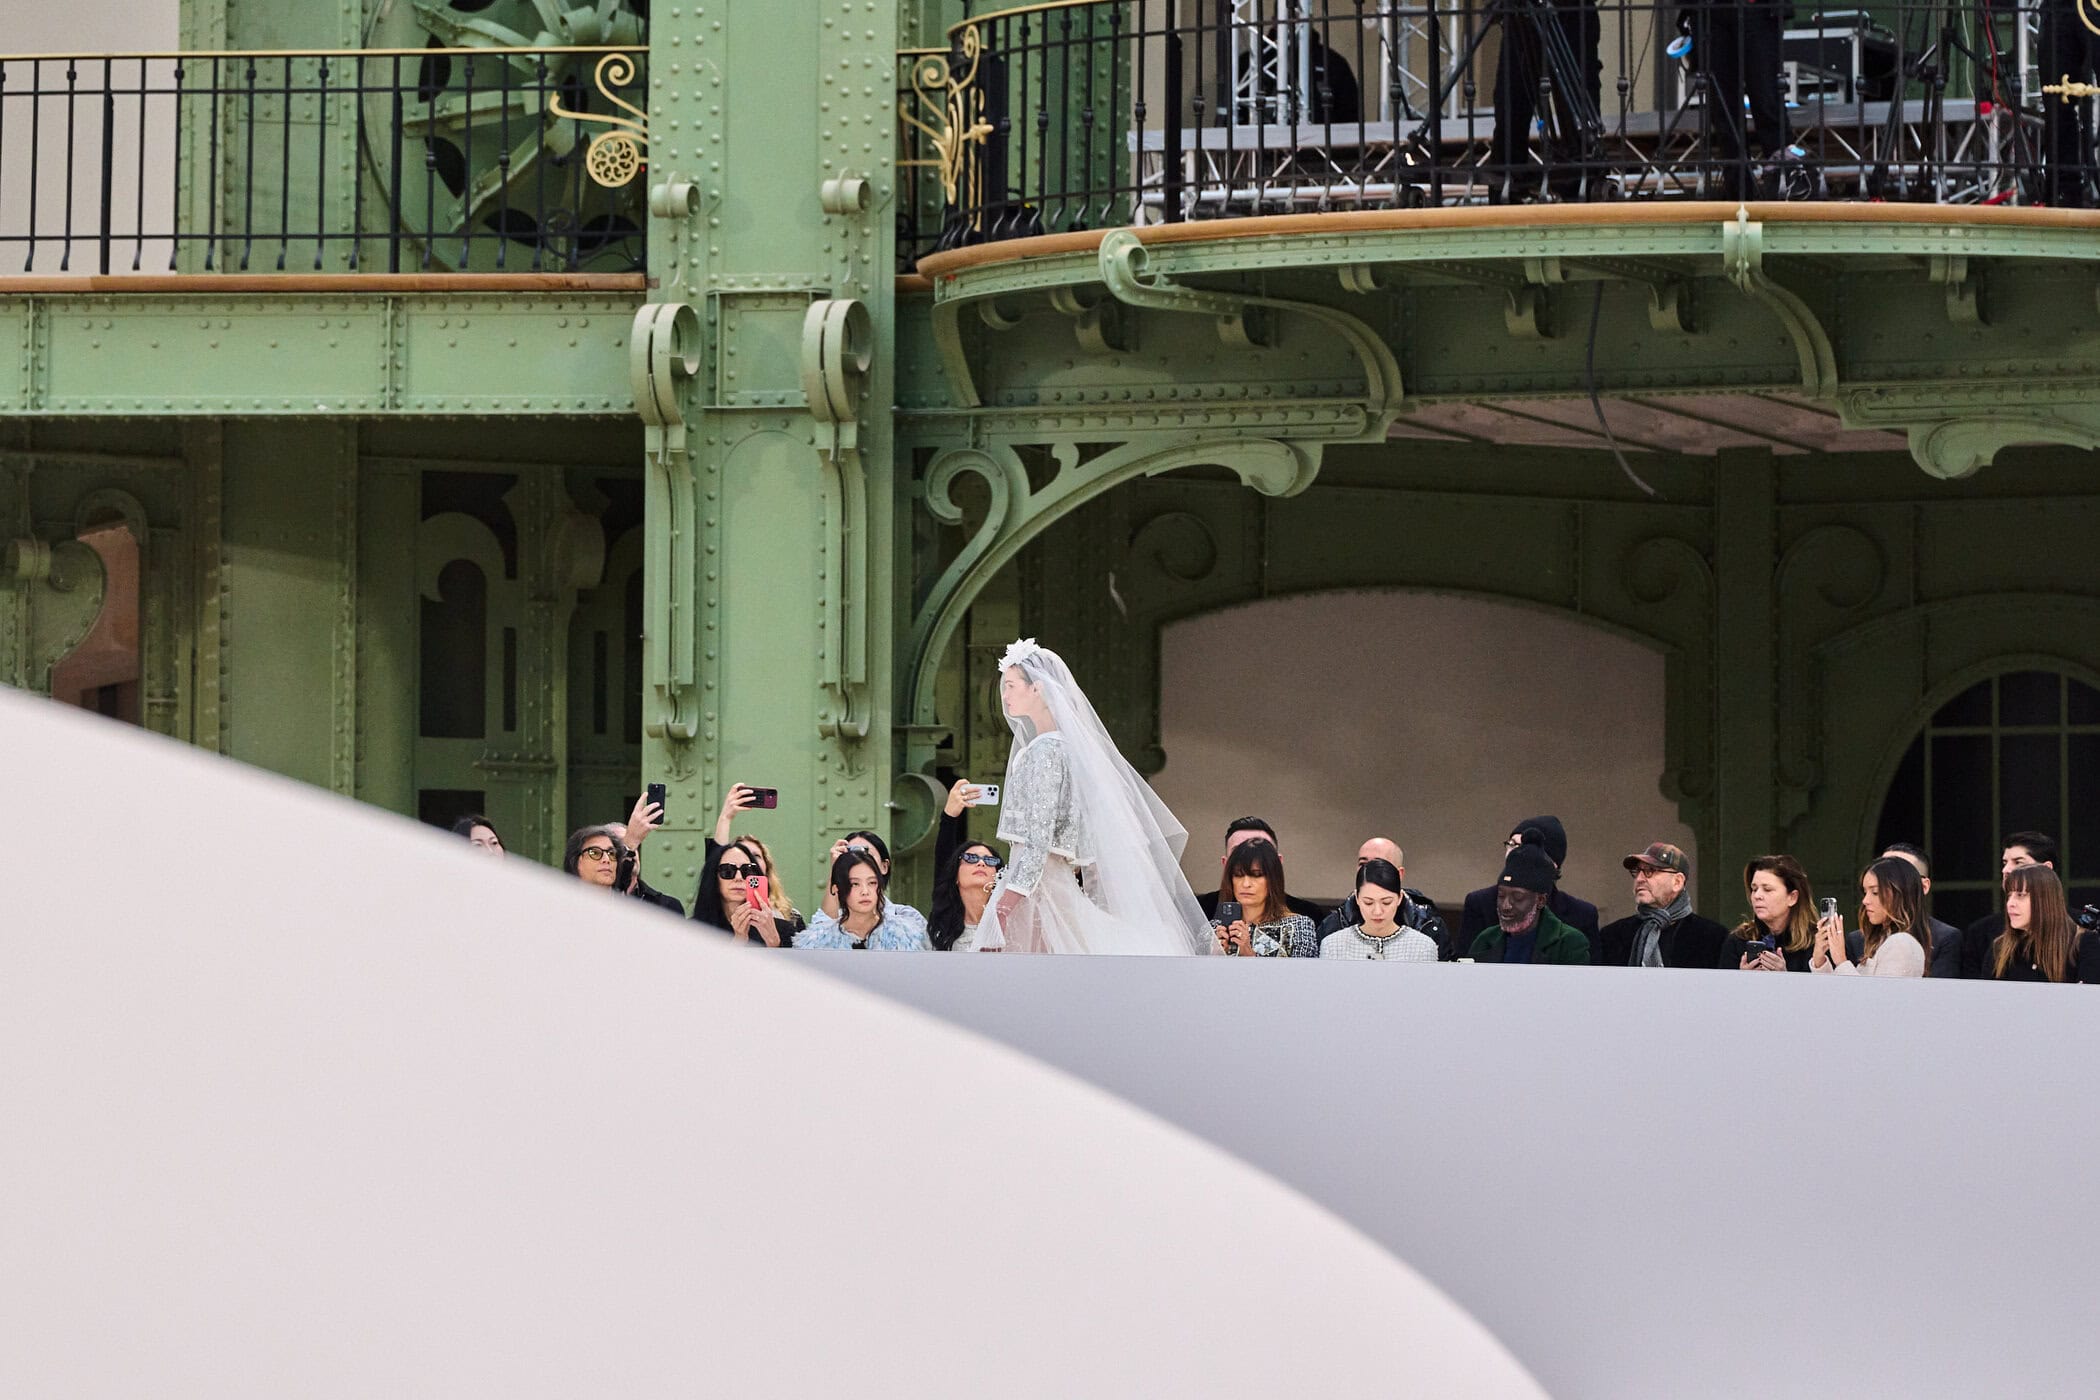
<point>1087,114</point>
<point>1277,216</point>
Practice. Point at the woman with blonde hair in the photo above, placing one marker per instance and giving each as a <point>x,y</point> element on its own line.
<point>2041,942</point>
<point>1780,934</point>
<point>1895,940</point>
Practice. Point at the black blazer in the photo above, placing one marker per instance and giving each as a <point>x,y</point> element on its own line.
<point>1578,914</point>
<point>1693,941</point>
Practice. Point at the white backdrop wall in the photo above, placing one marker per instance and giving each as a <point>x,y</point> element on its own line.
<point>1438,721</point>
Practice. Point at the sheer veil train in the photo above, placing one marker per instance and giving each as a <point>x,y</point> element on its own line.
<point>1096,856</point>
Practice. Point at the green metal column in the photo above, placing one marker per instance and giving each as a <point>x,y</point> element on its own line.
<point>288,685</point>
<point>1745,662</point>
<point>762,370</point>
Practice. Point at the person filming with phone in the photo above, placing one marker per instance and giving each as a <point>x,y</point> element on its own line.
<point>1893,939</point>
<point>964,871</point>
<point>739,892</point>
<point>647,816</point>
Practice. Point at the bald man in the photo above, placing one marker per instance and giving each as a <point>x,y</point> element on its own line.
<point>1417,910</point>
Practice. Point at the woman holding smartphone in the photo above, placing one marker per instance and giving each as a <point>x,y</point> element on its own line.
<point>1780,934</point>
<point>2041,942</point>
<point>1895,940</point>
<point>738,893</point>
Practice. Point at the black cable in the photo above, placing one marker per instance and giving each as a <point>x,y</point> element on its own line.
<point>1589,381</point>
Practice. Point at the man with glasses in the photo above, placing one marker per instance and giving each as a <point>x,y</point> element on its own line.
<point>1417,910</point>
<point>1662,931</point>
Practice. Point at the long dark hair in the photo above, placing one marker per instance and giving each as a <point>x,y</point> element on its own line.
<point>944,917</point>
<point>464,826</point>
<point>2050,938</point>
<point>1259,857</point>
<point>842,880</point>
<point>573,852</point>
<point>1903,900</point>
<point>707,900</point>
<point>1801,923</point>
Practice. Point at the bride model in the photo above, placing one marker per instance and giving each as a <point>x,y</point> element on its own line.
<point>1096,862</point>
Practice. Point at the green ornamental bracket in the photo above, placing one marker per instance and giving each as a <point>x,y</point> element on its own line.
<point>1127,272</point>
<point>663,353</point>
<point>1743,258</point>
<point>1019,511</point>
<point>837,353</point>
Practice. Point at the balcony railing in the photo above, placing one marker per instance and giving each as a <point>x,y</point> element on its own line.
<point>1082,114</point>
<point>475,159</point>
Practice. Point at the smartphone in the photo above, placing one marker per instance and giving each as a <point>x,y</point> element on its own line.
<point>1830,908</point>
<point>761,895</point>
<point>756,798</point>
<point>1228,913</point>
<point>655,793</point>
<point>987,795</point>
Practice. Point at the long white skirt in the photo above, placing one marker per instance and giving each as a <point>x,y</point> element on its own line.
<point>1059,917</point>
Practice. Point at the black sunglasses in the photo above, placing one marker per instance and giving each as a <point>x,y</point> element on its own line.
<point>982,858</point>
<point>726,871</point>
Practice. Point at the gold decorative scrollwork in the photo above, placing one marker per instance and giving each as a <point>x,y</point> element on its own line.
<point>955,120</point>
<point>613,157</point>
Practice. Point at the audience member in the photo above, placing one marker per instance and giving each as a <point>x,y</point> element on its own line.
<point>2041,942</point>
<point>1267,927</point>
<point>740,891</point>
<point>964,873</point>
<point>1377,931</point>
<point>1417,911</point>
<point>1946,938</point>
<point>645,818</point>
<point>962,886</point>
<point>1893,939</point>
<point>737,895</point>
<point>2022,849</point>
<point>1241,831</point>
<point>592,855</point>
<point>1663,932</point>
<point>859,886</point>
<point>480,834</point>
<point>1482,906</point>
<point>875,846</point>
<point>1780,934</point>
<point>1526,928</point>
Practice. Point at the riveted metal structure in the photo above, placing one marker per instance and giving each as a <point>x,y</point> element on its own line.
<point>517,403</point>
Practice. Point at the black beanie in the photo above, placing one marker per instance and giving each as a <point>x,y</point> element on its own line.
<point>1529,868</point>
<point>1546,832</point>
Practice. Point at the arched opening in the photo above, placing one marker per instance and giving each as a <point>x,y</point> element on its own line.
<point>1999,757</point>
<point>102,673</point>
<point>1436,720</point>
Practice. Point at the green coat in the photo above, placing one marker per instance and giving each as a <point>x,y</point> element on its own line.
<point>1557,943</point>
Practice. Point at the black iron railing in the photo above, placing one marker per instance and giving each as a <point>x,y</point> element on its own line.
<point>386,160</point>
<point>1089,113</point>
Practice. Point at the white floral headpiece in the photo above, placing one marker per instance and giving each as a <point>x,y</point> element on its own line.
<point>1020,651</point>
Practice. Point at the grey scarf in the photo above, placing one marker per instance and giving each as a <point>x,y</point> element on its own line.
<point>1647,944</point>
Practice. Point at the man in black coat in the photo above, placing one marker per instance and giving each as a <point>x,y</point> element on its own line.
<point>1663,932</point>
<point>1250,829</point>
<point>1579,914</point>
<point>1946,938</point>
